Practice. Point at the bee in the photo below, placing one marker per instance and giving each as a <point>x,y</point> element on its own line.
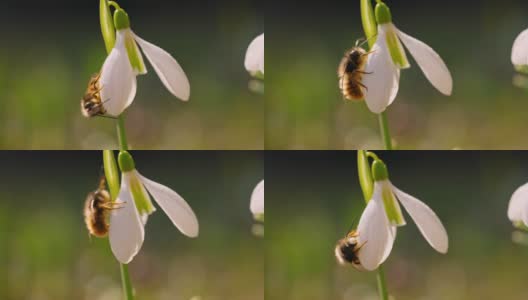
<point>346,250</point>
<point>91,103</point>
<point>351,71</point>
<point>97,206</point>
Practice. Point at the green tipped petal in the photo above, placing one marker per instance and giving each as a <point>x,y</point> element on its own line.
<point>398,55</point>
<point>392,207</point>
<point>135,57</point>
<point>141,198</point>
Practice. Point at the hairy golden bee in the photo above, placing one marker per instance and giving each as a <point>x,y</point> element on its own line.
<point>97,206</point>
<point>351,71</point>
<point>91,103</point>
<point>347,249</point>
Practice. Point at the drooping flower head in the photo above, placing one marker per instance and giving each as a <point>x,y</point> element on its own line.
<point>254,61</point>
<point>257,201</point>
<point>125,62</point>
<point>127,223</point>
<point>388,56</point>
<point>519,55</point>
<point>518,206</point>
<point>378,224</point>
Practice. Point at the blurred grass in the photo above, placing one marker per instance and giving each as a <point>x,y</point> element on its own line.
<point>306,111</point>
<point>50,52</point>
<point>50,255</point>
<point>316,198</point>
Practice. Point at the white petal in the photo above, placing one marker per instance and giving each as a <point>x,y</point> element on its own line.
<point>390,241</point>
<point>383,80</point>
<point>395,86</point>
<point>126,230</point>
<point>118,81</point>
<point>257,199</point>
<point>426,220</point>
<point>178,211</point>
<point>430,62</point>
<point>375,235</point>
<point>254,61</point>
<point>167,68</point>
<point>518,202</point>
<point>519,55</point>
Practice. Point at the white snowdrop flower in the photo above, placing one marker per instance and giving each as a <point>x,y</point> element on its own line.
<point>254,61</point>
<point>127,223</point>
<point>378,223</point>
<point>519,55</point>
<point>518,207</point>
<point>387,57</point>
<point>125,61</point>
<point>257,199</point>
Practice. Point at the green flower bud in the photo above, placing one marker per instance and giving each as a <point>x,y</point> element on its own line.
<point>383,14</point>
<point>379,171</point>
<point>121,20</point>
<point>126,162</point>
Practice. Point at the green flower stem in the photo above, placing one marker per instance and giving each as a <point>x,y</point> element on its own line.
<point>384,129</point>
<point>126,283</point>
<point>108,32</point>
<point>370,28</point>
<point>121,133</point>
<point>382,284</point>
<point>366,183</point>
<point>114,4</point>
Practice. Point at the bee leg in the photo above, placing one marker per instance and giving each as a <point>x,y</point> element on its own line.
<point>359,247</point>
<point>368,53</point>
<point>362,85</point>
<point>363,72</point>
<point>113,205</point>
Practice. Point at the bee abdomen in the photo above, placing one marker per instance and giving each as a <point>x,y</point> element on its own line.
<point>351,87</point>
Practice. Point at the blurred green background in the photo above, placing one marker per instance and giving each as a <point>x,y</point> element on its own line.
<point>50,256</point>
<point>304,107</point>
<point>50,50</point>
<point>314,197</point>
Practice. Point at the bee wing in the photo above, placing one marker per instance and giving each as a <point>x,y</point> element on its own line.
<point>178,211</point>
<point>126,230</point>
<point>167,68</point>
<point>426,220</point>
<point>374,233</point>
